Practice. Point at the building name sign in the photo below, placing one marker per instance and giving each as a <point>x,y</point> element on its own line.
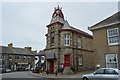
<point>22,63</point>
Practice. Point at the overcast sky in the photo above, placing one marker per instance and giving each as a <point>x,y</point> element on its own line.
<point>24,23</point>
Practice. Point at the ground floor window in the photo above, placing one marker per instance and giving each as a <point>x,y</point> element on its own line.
<point>80,61</point>
<point>111,61</point>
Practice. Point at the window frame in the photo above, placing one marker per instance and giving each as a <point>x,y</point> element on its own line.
<point>79,41</point>
<point>80,61</point>
<point>67,39</point>
<point>112,36</point>
<point>108,62</point>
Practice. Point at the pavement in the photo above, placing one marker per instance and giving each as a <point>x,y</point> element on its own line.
<point>59,75</point>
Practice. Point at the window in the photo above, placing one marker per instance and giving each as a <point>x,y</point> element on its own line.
<point>10,57</point>
<point>113,36</point>
<point>99,71</point>
<point>3,57</point>
<point>111,61</point>
<point>110,71</point>
<point>17,57</point>
<point>24,57</point>
<point>52,38</point>
<point>29,57</point>
<point>80,61</point>
<point>79,42</point>
<point>67,40</point>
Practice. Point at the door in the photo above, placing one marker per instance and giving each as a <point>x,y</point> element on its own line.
<point>51,66</point>
<point>67,60</point>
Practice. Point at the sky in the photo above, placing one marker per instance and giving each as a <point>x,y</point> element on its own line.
<point>23,23</point>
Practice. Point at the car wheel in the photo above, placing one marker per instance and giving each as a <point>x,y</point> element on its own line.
<point>85,78</point>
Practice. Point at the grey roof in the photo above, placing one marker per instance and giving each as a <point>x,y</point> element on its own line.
<point>80,31</point>
<point>21,51</point>
<point>13,50</point>
<point>114,19</point>
<point>66,25</point>
<point>4,49</point>
<point>40,53</point>
<point>50,55</point>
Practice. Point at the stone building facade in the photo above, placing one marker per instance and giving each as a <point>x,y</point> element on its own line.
<point>106,42</point>
<point>67,46</point>
<point>17,59</point>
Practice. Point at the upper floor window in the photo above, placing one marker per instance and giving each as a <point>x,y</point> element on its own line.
<point>3,57</point>
<point>79,42</point>
<point>29,57</point>
<point>67,40</point>
<point>24,57</point>
<point>17,57</point>
<point>113,36</point>
<point>52,38</point>
<point>10,57</point>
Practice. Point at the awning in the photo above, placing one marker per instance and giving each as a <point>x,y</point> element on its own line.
<point>50,55</point>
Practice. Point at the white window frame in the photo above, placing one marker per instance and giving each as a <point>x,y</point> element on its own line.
<point>3,57</point>
<point>112,35</point>
<point>67,39</point>
<point>80,61</point>
<point>10,57</point>
<point>79,42</point>
<point>24,57</point>
<point>112,62</point>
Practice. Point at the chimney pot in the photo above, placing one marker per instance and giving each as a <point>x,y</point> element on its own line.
<point>28,48</point>
<point>10,45</point>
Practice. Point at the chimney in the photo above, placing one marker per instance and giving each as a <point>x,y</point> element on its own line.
<point>10,45</point>
<point>28,48</point>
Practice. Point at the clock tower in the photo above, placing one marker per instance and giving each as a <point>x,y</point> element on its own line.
<point>52,50</point>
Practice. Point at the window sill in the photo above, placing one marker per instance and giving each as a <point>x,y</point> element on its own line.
<point>114,44</point>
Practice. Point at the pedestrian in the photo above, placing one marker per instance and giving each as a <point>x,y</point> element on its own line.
<point>56,72</point>
<point>47,72</point>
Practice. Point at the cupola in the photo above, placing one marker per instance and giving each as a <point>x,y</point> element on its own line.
<point>57,16</point>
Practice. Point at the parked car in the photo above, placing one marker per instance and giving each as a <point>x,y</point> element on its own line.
<point>5,70</point>
<point>103,74</point>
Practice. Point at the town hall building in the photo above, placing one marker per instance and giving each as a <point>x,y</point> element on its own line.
<point>67,46</point>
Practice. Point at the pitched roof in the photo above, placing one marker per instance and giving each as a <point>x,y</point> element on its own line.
<point>114,19</point>
<point>40,53</point>
<point>21,51</point>
<point>4,49</point>
<point>67,27</point>
<point>13,50</point>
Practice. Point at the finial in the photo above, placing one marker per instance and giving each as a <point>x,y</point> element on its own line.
<point>58,7</point>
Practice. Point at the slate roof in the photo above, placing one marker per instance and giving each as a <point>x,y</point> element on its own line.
<point>13,50</point>
<point>21,51</point>
<point>40,53</point>
<point>114,19</point>
<point>50,55</point>
<point>4,49</point>
<point>66,26</point>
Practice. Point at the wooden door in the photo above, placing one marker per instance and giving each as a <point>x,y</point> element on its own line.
<point>67,60</point>
<point>51,66</point>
